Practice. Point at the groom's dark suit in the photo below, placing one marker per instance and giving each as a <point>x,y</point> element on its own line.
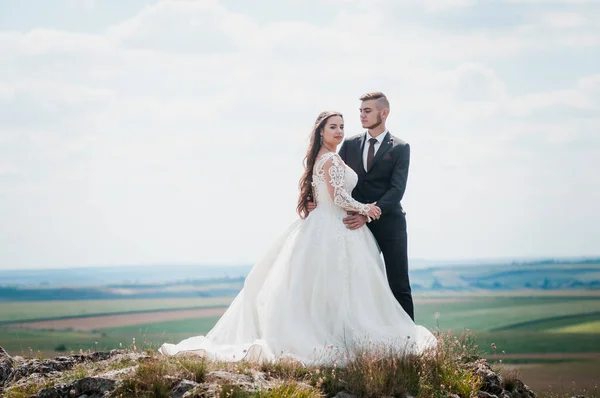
<point>385,183</point>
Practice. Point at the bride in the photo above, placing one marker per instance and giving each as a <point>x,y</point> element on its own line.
<point>321,287</point>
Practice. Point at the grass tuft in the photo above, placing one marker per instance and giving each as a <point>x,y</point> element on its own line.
<point>27,390</point>
<point>156,376</point>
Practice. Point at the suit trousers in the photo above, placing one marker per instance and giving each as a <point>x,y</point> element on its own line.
<point>393,243</point>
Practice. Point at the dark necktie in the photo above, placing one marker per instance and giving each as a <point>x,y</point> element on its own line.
<point>371,153</point>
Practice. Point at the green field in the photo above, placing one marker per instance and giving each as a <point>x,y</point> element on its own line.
<point>585,327</point>
<point>519,342</point>
<point>553,336</point>
<point>502,312</point>
<point>558,323</point>
<point>201,325</point>
<point>41,310</point>
<point>24,342</point>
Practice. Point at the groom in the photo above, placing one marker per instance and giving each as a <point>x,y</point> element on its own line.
<point>381,162</point>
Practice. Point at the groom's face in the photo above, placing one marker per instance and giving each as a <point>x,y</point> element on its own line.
<point>370,115</point>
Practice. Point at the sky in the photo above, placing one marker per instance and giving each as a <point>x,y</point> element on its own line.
<point>173,132</point>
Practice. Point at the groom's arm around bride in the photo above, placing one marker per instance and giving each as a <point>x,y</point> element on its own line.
<point>392,192</point>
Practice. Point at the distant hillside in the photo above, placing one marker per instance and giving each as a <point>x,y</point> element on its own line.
<point>216,287</point>
<point>213,281</point>
<point>543,275</point>
<point>132,274</point>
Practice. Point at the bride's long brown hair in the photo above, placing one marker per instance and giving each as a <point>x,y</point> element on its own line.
<point>305,184</point>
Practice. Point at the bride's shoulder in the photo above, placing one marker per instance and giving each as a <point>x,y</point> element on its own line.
<point>329,157</point>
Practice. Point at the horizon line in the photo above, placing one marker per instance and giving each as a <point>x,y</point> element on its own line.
<point>436,261</point>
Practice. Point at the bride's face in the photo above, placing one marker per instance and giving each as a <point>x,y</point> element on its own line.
<point>333,131</point>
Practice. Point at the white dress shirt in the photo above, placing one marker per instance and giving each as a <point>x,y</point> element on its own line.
<point>379,139</point>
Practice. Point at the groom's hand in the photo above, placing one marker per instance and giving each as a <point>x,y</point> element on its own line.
<point>355,220</point>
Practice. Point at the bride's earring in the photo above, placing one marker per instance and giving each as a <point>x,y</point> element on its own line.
<point>321,140</point>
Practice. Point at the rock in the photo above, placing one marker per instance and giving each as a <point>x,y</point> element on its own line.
<point>181,389</point>
<point>7,366</point>
<point>485,394</point>
<point>115,374</point>
<point>251,382</point>
<point>242,381</point>
<point>47,366</point>
<point>260,378</point>
<point>520,390</point>
<point>344,394</point>
<point>93,387</point>
<point>60,364</point>
<point>492,383</point>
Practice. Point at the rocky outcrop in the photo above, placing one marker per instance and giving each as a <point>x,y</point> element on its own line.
<point>57,365</point>
<point>48,372</point>
<point>107,374</point>
<point>6,366</point>
<point>493,385</point>
<point>88,387</point>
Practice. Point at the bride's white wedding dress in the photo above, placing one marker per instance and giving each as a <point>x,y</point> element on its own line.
<point>320,288</point>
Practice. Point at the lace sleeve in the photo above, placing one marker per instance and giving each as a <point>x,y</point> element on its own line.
<point>334,168</point>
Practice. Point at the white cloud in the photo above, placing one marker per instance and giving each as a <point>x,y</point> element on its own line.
<point>564,19</point>
<point>42,41</point>
<point>529,103</point>
<point>87,4</point>
<point>49,91</point>
<point>441,5</point>
<point>479,81</point>
<point>553,2</point>
<point>178,134</point>
<point>186,25</point>
<point>589,83</point>
<point>7,91</point>
<point>581,41</point>
<point>583,96</point>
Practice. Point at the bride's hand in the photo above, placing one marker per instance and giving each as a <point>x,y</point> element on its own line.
<point>374,211</point>
<point>310,206</point>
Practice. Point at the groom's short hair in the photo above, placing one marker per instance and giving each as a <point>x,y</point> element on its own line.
<point>379,97</point>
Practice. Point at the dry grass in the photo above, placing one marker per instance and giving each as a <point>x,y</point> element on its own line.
<point>592,392</point>
<point>509,378</point>
<point>289,389</point>
<point>383,370</point>
<point>78,372</point>
<point>27,390</point>
<point>370,370</point>
<point>156,376</point>
<point>373,371</point>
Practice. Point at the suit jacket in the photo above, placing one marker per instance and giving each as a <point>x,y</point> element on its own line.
<point>385,181</point>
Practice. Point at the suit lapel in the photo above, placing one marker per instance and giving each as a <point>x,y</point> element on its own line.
<point>359,152</point>
<point>385,146</point>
